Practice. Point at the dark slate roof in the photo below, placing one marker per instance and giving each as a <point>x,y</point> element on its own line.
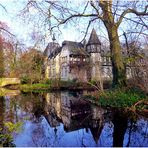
<point>93,38</point>
<point>52,50</point>
<point>55,52</point>
<point>75,48</point>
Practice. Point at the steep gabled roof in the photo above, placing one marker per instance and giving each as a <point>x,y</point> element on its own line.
<point>93,38</point>
<point>75,48</point>
<point>72,44</point>
<point>56,52</point>
<point>52,50</point>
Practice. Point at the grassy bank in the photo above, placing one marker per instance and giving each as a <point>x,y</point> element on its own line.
<point>54,85</point>
<point>46,85</point>
<point>120,98</point>
<point>34,87</point>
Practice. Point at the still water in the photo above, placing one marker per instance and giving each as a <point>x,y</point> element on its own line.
<point>64,119</point>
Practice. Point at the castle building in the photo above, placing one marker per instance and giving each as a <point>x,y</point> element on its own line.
<point>89,61</point>
<point>77,61</point>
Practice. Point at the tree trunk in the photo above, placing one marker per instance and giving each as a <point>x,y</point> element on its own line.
<point>1,60</point>
<point>118,67</point>
<point>2,110</point>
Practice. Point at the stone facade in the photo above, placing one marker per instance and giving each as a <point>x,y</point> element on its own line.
<point>75,61</point>
<point>84,62</point>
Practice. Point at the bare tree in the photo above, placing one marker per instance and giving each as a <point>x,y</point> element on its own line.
<point>31,66</point>
<point>1,59</point>
<point>2,40</point>
<point>112,14</point>
<point>136,60</point>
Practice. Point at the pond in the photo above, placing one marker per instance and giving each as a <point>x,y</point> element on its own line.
<point>63,119</point>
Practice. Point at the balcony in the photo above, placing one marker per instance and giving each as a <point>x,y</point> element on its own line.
<point>74,64</point>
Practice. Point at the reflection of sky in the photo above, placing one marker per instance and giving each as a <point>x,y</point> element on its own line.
<point>139,134</point>
<point>39,133</point>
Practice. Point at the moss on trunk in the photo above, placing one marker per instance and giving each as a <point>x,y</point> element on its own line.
<point>118,67</point>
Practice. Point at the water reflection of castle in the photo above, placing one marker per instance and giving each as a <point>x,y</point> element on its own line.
<point>74,113</point>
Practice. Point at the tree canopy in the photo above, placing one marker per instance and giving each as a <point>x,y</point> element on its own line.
<point>112,14</point>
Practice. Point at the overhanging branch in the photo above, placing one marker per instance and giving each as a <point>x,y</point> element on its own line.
<point>97,11</point>
<point>77,15</point>
<point>88,28</point>
<point>71,17</point>
<point>6,31</point>
<point>134,11</point>
<point>3,7</point>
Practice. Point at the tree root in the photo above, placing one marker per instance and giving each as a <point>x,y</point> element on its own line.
<point>141,111</point>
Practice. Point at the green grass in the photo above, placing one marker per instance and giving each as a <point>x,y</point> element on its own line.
<point>48,86</point>
<point>34,87</point>
<point>118,98</point>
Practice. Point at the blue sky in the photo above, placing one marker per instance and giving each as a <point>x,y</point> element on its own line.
<point>23,30</point>
<point>10,17</point>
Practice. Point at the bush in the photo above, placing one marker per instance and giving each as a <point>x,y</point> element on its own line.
<point>47,81</point>
<point>6,139</point>
<point>25,80</point>
<point>121,97</point>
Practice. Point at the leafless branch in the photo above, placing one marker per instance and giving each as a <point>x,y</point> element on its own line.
<point>134,32</point>
<point>78,15</point>
<point>85,7</point>
<point>3,7</point>
<point>96,9</point>
<point>73,16</point>
<point>144,13</point>
<point>88,28</point>
<point>1,28</point>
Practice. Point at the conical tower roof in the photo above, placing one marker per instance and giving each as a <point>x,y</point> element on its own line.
<point>93,38</point>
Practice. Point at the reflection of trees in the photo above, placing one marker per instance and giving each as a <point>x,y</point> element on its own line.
<point>2,110</point>
<point>31,103</point>
<point>6,127</point>
<point>43,135</point>
<point>120,126</point>
<point>131,130</point>
<point>89,128</point>
<point>74,113</point>
<point>23,106</point>
<point>137,132</point>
